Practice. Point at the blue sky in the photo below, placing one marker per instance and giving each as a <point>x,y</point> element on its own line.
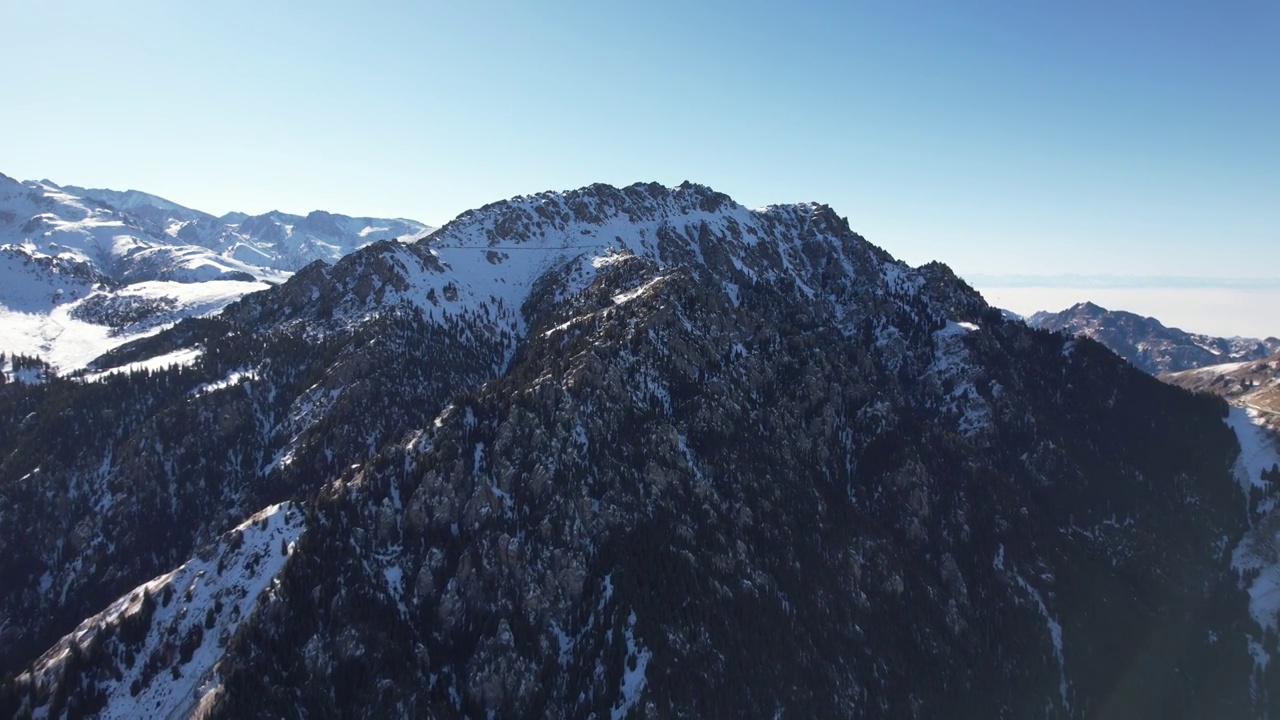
<point>1128,138</point>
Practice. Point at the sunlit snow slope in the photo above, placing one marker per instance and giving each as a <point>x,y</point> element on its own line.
<point>165,638</point>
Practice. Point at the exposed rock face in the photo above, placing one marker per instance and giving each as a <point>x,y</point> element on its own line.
<point>644,452</point>
<point>1148,344</point>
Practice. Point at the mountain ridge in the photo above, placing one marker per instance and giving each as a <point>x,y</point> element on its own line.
<point>328,239</point>
<point>602,451</point>
<point>1148,343</point>
<point>80,273</point>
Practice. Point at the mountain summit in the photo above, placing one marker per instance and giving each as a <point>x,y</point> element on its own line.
<point>625,452</point>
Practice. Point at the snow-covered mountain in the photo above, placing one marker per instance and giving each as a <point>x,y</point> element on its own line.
<point>631,452</point>
<point>1147,343</point>
<point>274,240</point>
<point>82,270</point>
<point>42,220</point>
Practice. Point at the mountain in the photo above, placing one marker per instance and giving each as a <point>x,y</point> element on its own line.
<point>84,270</point>
<point>634,452</point>
<point>273,240</point>
<point>1254,384</point>
<point>1148,344</point>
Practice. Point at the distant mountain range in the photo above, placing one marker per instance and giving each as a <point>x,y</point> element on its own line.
<point>84,269</point>
<point>1149,344</point>
<point>275,240</point>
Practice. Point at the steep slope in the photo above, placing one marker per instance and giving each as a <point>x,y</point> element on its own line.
<point>1148,344</point>
<point>160,644</point>
<point>108,483</point>
<point>646,452</point>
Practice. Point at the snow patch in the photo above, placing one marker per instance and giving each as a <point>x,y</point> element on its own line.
<point>233,378</point>
<point>628,296</point>
<point>610,257</point>
<point>1051,623</point>
<point>181,358</point>
<point>1258,555</point>
<point>634,670</point>
<point>1258,451</point>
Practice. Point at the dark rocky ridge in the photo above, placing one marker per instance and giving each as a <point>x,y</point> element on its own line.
<point>715,463</point>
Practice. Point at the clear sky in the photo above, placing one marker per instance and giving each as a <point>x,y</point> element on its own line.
<point>1133,138</point>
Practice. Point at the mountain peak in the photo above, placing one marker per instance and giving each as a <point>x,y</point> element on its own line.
<point>573,433</point>
<point>1148,343</point>
<point>1087,307</point>
<point>588,209</point>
